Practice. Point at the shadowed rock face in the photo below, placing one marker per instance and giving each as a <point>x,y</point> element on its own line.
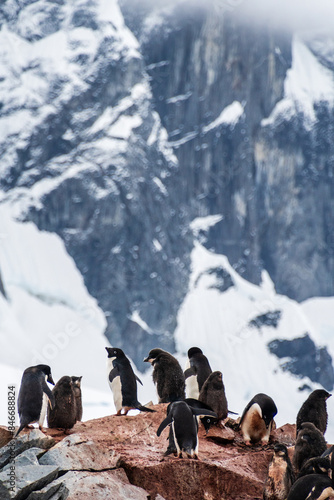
<point>271,181</point>
<point>305,359</point>
<point>124,454</point>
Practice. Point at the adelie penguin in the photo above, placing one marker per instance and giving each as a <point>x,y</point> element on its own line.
<point>310,443</point>
<point>314,410</point>
<point>313,486</point>
<point>78,398</point>
<point>34,396</point>
<point>123,382</point>
<point>280,475</point>
<point>213,394</point>
<point>63,415</point>
<point>207,421</point>
<point>167,376</point>
<point>196,372</point>
<point>183,420</point>
<point>257,419</point>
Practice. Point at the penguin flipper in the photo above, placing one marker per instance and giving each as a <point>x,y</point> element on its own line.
<point>48,392</point>
<point>113,374</point>
<point>22,426</point>
<point>138,380</point>
<point>168,420</point>
<point>203,412</point>
<point>189,372</point>
<point>245,411</point>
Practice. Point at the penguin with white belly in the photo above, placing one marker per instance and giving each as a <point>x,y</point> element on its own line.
<point>123,382</point>
<point>34,396</point>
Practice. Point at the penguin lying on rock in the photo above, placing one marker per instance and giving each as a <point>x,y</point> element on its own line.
<point>34,396</point>
<point>183,420</point>
<point>123,382</point>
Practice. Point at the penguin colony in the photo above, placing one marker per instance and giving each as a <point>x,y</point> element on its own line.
<point>195,395</point>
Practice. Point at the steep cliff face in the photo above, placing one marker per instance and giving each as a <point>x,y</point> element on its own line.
<point>216,80</point>
<point>118,143</point>
<point>84,155</point>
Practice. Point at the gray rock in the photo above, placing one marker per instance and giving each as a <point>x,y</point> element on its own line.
<point>26,479</point>
<point>87,486</point>
<point>76,453</point>
<point>33,439</point>
<point>28,457</point>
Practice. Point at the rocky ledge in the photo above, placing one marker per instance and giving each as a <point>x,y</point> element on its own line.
<point>122,458</point>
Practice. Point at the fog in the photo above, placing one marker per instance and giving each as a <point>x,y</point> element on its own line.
<point>291,15</point>
<point>305,15</point>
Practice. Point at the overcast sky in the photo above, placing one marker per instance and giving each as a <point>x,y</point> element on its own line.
<point>295,14</point>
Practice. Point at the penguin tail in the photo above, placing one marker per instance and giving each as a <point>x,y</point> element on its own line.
<point>22,426</point>
<point>145,408</point>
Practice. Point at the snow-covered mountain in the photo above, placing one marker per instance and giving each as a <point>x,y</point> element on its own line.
<point>166,179</point>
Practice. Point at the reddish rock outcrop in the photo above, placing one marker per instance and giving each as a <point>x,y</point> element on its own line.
<point>100,453</point>
<point>226,469</point>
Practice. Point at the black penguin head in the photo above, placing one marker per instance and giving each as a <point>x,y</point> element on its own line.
<point>65,382</point>
<point>193,351</point>
<point>308,433</point>
<point>153,355</point>
<point>315,465</point>
<point>47,372</point>
<point>115,352</point>
<point>268,407</point>
<point>215,379</point>
<point>281,451</point>
<point>76,381</point>
<point>319,394</point>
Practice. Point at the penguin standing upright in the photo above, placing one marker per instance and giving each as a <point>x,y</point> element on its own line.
<point>167,375</point>
<point>196,372</point>
<point>78,398</point>
<point>213,394</point>
<point>310,443</point>
<point>314,410</point>
<point>257,419</point>
<point>63,415</point>
<point>280,475</point>
<point>123,382</point>
<point>183,419</point>
<point>34,396</point>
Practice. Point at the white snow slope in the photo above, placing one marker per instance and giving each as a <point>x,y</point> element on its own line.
<point>48,316</point>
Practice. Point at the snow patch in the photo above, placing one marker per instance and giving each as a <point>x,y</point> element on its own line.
<point>204,223</point>
<point>136,318</point>
<point>307,82</point>
<point>229,116</point>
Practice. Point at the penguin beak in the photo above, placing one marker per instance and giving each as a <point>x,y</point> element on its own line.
<point>50,380</point>
<point>147,360</point>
